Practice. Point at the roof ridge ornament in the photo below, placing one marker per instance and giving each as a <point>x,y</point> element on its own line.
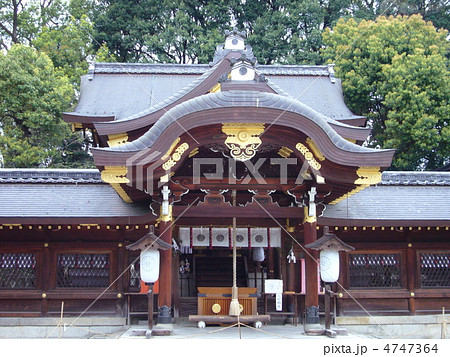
<point>235,31</point>
<point>234,42</point>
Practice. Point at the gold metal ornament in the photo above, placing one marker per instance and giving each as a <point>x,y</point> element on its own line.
<point>285,152</point>
<point>307,218</point>
<point>368,176</point>
<point>308,155</point>
<point>167,154</point>
<point>315,149</point>
<point>115,174</point>
<point>216,308</point>
<point>166,217</point>
<point>176,156</point>
<point>117,139</point>
<point>243,139</point>
<point>347,195</point>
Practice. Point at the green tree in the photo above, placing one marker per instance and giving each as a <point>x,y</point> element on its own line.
<point>33,96</point>
<point>21,20</point>
<point>69,47</point>
<point>288,31</point>
<point>395,72</point>
<point>122,26</point>
<point>179,31</point>
<point>436,11</point>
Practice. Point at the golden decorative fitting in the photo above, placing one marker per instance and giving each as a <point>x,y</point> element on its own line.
<point>117,139</point>
<point>166,217</point>
<point>315,149</point>
<point>167,154</point>
<point>341,295</point>
<point>307,218</point>
<point>76,126</point>
<point>46,245</point>
<point>166,178</point>
<point>193,152</point>
<point>119,245</point>
<point>409,245</point>
<point>412,294</point>
<point>115,174</point>
<point>216,308</point>
<point>285,152</point>
<point>308,155</point>
<point>176,156</point>
<point>44,295</point>
<point>121,192</point>
<point>243,139</point>
<point>347,195</point>
<point>368,176</point>
<point>119,295</point>
<point>216,88</point>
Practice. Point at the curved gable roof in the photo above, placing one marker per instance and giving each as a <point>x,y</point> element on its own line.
<point>288,112</point>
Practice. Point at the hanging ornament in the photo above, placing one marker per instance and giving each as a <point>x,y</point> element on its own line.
<point>291,257</point>
<point>258,254</point>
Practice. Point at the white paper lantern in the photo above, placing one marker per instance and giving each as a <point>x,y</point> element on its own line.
<point>150,265</point>
<point>258,254</point>
<point>329,265</point>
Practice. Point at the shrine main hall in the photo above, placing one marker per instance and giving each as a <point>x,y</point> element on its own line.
<point>236,168</point>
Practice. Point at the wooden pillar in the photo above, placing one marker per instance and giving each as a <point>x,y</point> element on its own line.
<point>410,278</point>
<point>271,272</point>
<point>165,271</point>
<point>312,278</point>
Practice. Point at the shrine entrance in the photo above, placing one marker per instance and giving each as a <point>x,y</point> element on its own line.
<point>243,155</point>
<point>206,264</point>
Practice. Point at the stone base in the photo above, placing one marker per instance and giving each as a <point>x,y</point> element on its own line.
<point>162,330</point>
<point>138,332</point>
<point>314,329</point>
<point>340,331</point>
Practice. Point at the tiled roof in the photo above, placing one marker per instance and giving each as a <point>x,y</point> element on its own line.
<point>49,176</point>
<point>174,68</point>
<point>408,196</point>
<point>413,178</point>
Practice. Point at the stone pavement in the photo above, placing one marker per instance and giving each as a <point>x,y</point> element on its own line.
<point>189,330</point>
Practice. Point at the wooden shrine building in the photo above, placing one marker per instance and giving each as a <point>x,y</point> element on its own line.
<point>173,144</point>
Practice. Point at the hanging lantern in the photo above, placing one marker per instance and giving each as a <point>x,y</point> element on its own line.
<point>258,254</point>
<point>150,245</point>
<point>329,265</point>
<point>329,246</point>
<point>149,265</point>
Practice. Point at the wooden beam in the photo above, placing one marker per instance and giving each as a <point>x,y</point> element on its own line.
<point>242,212</point>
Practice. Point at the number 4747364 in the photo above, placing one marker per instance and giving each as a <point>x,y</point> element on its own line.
<point>410,348</point>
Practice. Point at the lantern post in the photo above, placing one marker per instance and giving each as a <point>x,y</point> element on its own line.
<point>329,246</point>
<point>150,245</point>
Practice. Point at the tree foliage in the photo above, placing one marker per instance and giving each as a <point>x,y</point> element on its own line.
<point>68,46</point>
<point>33,96</point>
<point>395,72</point>
<point>161,30</point>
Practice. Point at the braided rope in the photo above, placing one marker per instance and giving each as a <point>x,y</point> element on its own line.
<point>234,243</point>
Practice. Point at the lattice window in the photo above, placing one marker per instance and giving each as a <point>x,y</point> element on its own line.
<point>17,270</point>
<point>374,270</point>
<point>83,270</point>
<point>435,270</point>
